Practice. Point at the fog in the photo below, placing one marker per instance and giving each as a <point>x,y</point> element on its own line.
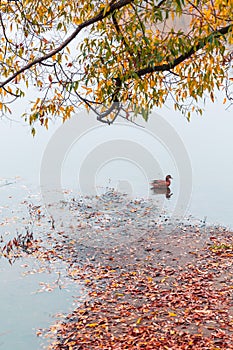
<point>207,141</point>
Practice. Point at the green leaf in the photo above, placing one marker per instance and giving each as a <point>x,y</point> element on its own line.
<point>33,132</point>
<point>59,26</point>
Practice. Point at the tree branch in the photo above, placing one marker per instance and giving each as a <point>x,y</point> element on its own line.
<point>102,14</point>
<point>188,54</point>
<point>119,32</point>
<point>165,67</point>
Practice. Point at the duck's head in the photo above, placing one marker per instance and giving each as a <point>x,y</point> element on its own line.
<point>168,177</point>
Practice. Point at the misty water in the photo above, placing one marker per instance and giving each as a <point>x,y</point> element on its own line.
<point>85,158</point>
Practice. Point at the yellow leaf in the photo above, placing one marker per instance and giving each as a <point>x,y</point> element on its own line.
<point>89,90</point>
<point>152,83</point>
<point>172,314</point>
<point>92,324</point>
<point>106,9</point>
<point>46,123</point>
<point>163,279</point>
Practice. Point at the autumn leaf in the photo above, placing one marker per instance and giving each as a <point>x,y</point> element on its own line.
<point>92,325</point>
<point>125,55</point>
<point>212,96</point>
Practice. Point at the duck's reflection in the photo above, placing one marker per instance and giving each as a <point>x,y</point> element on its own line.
<point>166,191</point>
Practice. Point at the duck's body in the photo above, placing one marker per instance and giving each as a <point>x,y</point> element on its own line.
<point>161,184</point>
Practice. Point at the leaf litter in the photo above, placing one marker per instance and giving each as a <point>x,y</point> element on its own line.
<point>151,286</point>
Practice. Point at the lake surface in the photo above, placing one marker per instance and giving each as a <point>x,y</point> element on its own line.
<point>84,157</point>
<point>98,156</point>
<point>30,298</point>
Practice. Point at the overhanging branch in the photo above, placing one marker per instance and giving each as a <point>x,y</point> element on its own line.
<point>169,66</point>
<point>102,14</point>
<point>188,54</point>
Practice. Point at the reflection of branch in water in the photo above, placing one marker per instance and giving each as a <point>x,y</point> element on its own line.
<point>6,183</point>
<point>166,191</point>
<point>58,281</point>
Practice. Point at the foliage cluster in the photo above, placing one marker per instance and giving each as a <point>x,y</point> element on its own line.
<point>105,54</point>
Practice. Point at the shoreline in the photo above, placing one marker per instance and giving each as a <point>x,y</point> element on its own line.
<point>162,292</point>
<point>164,289</point>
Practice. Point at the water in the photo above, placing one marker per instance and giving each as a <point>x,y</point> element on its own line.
<point>24,310</point>
<point>118,156</point>
<point>209,142</point>
<point>30,296</point>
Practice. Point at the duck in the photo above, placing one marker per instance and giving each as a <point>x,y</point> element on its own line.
<point>161,184</point>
